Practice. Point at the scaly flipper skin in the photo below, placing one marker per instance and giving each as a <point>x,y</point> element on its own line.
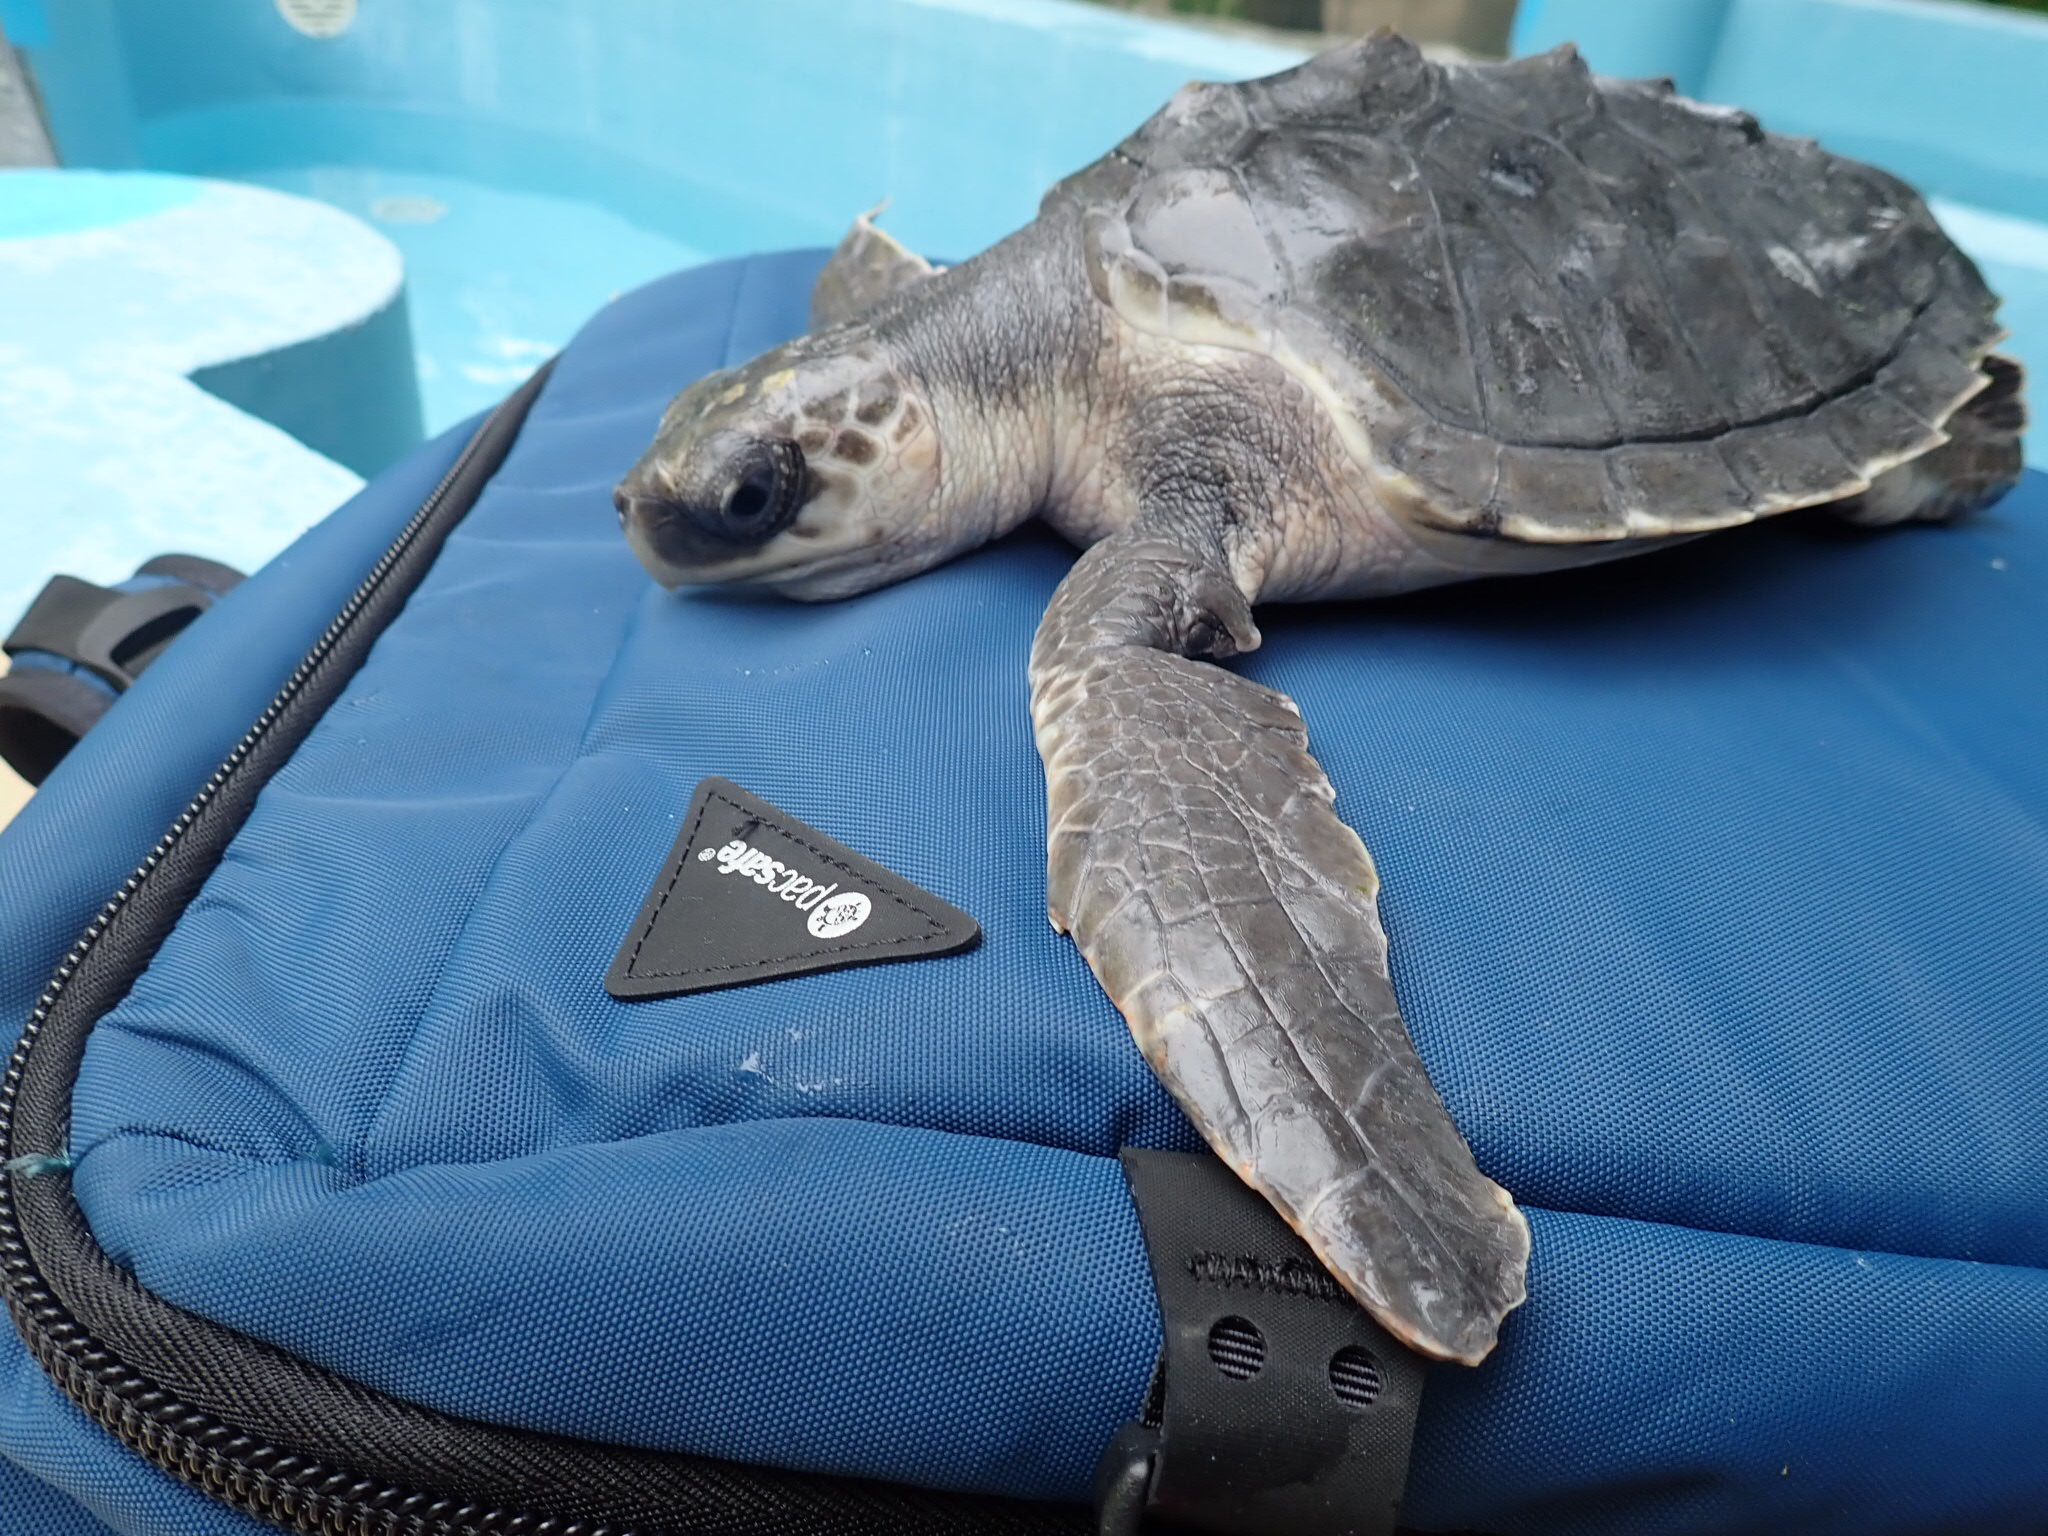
<point>1196,860</point>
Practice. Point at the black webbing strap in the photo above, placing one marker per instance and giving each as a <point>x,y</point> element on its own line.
<point>111,633</point>
<point>1278,1406</point>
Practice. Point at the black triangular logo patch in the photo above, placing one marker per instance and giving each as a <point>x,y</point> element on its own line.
<point>750,893</point>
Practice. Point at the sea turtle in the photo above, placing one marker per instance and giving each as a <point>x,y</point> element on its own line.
<point>1365,326</point>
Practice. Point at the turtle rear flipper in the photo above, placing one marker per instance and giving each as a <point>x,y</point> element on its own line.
<point>867,266</point>
<point>1196,860</point>
<point>1979,463</point>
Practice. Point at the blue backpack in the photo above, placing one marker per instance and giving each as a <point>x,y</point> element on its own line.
<point>341,1194</point>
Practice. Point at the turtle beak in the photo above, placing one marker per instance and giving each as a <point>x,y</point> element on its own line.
<point>668,538</point>
<point>707,509</point>
<point>660,534</point>
<point>642,517</point>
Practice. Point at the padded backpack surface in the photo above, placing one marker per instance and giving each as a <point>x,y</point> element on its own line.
<point>1717,883</point>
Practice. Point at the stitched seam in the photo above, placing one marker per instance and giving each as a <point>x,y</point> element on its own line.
<point>1915,1256</point>
<point>129,1133</point>
<point>362,1137</point>
<point>1282,1277</point>
<point>732,315</point>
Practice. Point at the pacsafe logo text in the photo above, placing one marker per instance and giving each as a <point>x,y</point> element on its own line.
<point>696,931</point>
<point>833,912</point>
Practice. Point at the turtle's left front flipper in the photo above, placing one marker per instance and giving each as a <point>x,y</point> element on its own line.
<point>867,266</point>
<point>1196,860</point>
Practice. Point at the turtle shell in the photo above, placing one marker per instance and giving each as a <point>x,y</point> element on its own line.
<point>1541,303</point>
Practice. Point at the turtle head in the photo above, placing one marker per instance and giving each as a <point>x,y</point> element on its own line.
<point>812,471</point>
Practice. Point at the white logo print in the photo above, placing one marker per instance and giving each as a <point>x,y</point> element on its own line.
<point>839,914</point>
<point>833,912</point>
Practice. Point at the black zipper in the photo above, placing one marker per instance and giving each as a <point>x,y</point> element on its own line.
<point>257,1479</point>
<point>563,1487</point>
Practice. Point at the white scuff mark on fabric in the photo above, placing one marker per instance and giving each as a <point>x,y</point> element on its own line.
<point>522,348</point>
<point>318,18</point>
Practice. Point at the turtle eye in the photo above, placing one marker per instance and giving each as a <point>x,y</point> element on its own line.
<point>765,490</point>
<point>748,501</point>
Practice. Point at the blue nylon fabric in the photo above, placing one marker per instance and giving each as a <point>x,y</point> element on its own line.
<point>27,1505</point>
<point>1714,881</point>
<point>73,844</point>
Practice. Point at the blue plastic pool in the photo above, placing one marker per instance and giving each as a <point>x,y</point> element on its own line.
<point>532,159</point>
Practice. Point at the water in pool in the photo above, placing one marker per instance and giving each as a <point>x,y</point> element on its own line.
<point>497,279</point>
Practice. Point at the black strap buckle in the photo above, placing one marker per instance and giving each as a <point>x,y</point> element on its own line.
<point>79,646</point>
<point>1279,1405</point>
<point>116,632</point>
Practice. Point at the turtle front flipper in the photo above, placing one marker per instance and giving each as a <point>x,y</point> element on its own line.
<point>867,266</point>
<point>1196,860</point>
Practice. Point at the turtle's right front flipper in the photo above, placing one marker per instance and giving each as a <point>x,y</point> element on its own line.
<point>1196,860</point>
